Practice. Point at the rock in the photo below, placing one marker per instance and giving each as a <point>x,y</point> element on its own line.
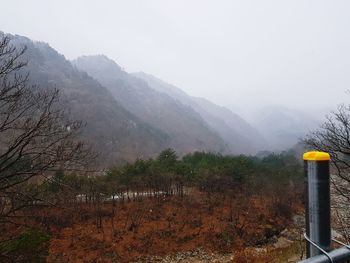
<point>299,220</point>
<point>282,243</point>
<point>293,234</point>
<point>284,232</point>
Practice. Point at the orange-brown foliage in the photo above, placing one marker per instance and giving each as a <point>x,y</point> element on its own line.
<point>152,227</point>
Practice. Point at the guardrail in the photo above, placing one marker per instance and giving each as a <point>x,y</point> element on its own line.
<point>318,213</point>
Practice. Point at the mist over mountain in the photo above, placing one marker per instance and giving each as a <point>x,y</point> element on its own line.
<point>283,127</point>
<point>240,136</point>
<point>186,129</point>
<point>137,115</point>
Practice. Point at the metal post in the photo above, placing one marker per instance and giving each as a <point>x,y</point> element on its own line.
<point>318,227</point>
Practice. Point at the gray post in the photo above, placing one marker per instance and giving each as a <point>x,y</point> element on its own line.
<point>317,214</point>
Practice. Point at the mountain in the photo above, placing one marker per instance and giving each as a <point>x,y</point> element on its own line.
<point>186,128</point>
<point>240,136</point>
<point>283,127</point>
<point>128,116</point>
<point>114,131</point>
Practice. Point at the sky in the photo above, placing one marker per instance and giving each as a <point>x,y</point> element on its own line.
<point>242,54</point>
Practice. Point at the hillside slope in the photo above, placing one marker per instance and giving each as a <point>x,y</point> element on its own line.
<point>187,130</point>
<point>116,133</point>
<point>240,136</point>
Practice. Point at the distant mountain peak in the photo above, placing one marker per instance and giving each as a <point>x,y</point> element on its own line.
<point>99,63</point>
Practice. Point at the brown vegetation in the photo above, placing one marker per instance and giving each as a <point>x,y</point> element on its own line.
<point>223,204</point>
<point>141,229</point>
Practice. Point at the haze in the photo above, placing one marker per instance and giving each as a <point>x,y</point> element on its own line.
<point>242,54</point>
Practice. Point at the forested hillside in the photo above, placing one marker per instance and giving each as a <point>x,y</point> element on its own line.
<point>115,133</point>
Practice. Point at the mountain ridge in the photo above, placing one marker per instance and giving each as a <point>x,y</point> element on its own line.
<point>185,126</point>
<point>87,100</point>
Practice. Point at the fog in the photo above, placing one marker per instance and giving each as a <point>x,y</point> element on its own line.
<point>241,54</point>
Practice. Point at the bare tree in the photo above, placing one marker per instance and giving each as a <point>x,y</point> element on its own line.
<point>36,137</point>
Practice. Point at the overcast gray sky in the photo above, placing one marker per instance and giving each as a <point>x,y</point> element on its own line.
<point>245,54</point>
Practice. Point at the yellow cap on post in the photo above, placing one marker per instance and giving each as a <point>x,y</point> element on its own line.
<point>316,156</point>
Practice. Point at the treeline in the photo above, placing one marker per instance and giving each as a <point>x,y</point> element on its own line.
<point>170,175</point>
